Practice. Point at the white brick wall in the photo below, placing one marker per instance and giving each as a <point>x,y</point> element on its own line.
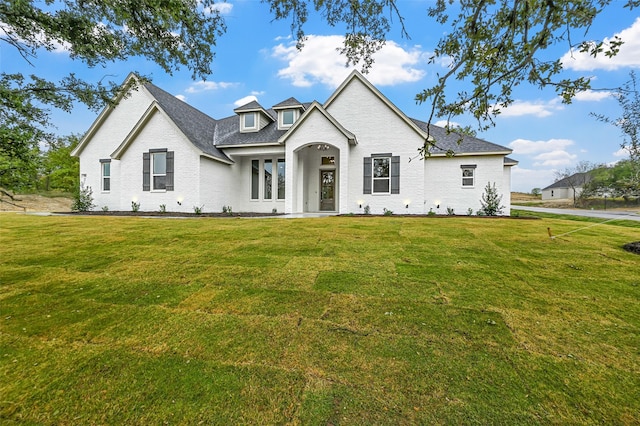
<point>379,130</point>
<point>200,181</point>
<point>443,183</point>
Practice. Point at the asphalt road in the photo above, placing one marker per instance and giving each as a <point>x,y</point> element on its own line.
<point>602,214</point>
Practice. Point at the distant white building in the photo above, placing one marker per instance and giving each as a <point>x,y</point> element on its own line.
<point>567,188</point>
<point>357,149</point>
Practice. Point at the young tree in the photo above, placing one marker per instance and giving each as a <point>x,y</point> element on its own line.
<point>491,200</point>
<point>628,98</point>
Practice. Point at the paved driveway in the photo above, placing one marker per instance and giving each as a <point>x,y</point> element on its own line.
<point>602,214</point>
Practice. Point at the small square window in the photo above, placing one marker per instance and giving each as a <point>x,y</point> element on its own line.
<point>288,117</point>
<point>468,176</point>
<point>329,161</point>
<point>250,121</point>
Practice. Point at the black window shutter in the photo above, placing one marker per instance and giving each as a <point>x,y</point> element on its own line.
<point>169,179</point>
<point>366,187</point>
<point>146,171</point>
<point>395,174</point>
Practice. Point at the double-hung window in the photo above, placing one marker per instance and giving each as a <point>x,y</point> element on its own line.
<point>105,172</point>
<point>381,174</point>
<point>468,175</point>
<point>157,170</point>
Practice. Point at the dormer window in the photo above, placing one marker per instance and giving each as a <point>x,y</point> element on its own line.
<point>249,121</point>
<point>288,117</point>
<point>288,112</point>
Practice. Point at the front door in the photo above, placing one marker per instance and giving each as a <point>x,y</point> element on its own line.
<point>327,190</point>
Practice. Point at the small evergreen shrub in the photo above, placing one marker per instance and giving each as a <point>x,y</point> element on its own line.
<point>227,210</point>
<point>387,212</point>
<point>135,207</point>
<point>367,209</point>
<point>198,209</point>
<point>105,208</point>
<point>83,199</point>
<point>163,208</point>
<point>469,211</point>
<point>431,212</point>
<point>491,200</point>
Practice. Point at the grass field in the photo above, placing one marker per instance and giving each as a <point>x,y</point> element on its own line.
<point>337,320</point>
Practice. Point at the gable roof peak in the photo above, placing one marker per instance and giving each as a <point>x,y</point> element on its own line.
<point>288,104</point>
<point>251,106</point>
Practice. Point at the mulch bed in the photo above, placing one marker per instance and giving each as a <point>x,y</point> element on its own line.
<point>169,214</point>
<point>632,247</point>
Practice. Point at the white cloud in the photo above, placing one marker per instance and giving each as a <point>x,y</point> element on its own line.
<point>203,86</point>
<point>222,8</point>
<point>444,123</point>
<point>536,108</point>
<point>592,95</point>
<point>524,146</point>
<point>245,100</point>
<point>320,62</point>
<point>621,153</point>
<point>183,98</point>
<point>555,158</point>
<point>629,55</point>
<point>548,154</point>
<point>524,180</point>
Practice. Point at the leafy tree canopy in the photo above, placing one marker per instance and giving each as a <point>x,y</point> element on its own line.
<point>172,33</point>
<point>494,45</point>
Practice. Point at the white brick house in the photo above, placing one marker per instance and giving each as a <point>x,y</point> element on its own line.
<point>356,149</point>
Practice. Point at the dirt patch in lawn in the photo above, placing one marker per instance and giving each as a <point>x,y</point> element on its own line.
<point>35,203</point>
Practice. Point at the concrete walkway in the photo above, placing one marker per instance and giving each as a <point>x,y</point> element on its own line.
<point>602,214</point>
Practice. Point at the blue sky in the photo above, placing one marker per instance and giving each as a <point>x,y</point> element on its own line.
<point>257,59</point>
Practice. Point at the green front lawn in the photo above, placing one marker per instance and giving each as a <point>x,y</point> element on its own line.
<point>338,320</point>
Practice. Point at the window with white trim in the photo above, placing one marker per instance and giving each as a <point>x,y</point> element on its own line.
<point>249,121</point>
<point>255,179</point>
<point>268,179</point>
<point>105,172</point>
<point>288,117</point>
<point>157,170</point>
<point>468,175</point>
<point>381,175</point>
<point>281,178</point>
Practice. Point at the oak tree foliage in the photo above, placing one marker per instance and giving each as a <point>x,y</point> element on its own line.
<point>491,45</point>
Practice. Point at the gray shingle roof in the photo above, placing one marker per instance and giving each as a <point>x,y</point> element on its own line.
<point>291,103</point>
<point>228,133</point>
<point>575,180</point>
<point>510,161</point>
<point>195,125</point>
<point>459,144</point>
<point>208,134</point>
